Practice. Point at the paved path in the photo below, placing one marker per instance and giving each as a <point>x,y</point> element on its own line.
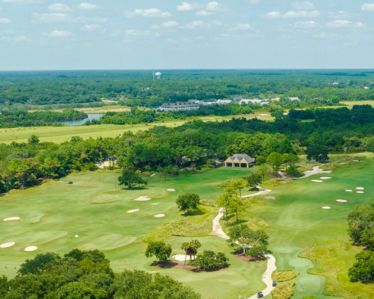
<point>259,193</point>
<point>271,261</point>
<point>314,171</point>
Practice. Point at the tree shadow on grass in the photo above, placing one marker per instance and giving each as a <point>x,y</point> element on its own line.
<point>165,265</point>
<point>196,212</point>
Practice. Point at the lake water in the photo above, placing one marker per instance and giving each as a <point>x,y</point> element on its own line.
<point>91,116</point>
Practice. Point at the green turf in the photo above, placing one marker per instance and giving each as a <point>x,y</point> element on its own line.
<point>300,228</point>
<point>304,237</point>
<point>64,133</point>
<point>95,208</point>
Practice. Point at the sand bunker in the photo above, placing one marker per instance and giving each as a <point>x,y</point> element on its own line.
<point>31,248</point>
<point>360,192</point>
<point>159,216</point>
<point>326,207</point>
<point>317,181</point>
<point>360,188</point>
<point>143,198</point>
<point>341,200</point>
<point>325,177</point>
<point>171,190</point>
<point>7,245</point>
<point>349,190</point>
<point>181,258</point>
<point>133,211</point>
<point>155,204</point>
<point>9,219</point>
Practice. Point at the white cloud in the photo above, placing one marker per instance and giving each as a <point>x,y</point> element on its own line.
<point>274,14</point>
<point>90,20</point>
<point>60,34</point>
<point>93,28</point>
<point>210,9</point>
<point>59,7</point>
<point>149,13</point>
<point>294,14</point>
<point>87,6</point>
<point>344,24</point>
<point>367,7</point>
<point>184,7</point>
<point>21,2</point>
<point>170,24</point>
<point>243,27</point>
<point>304,5</point>
<point>51,17</point>
<point>15,38</point>
<point>4,21</point>
<point>306,24</point>
<point>196,24</point>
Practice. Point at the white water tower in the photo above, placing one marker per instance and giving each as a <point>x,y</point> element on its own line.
<point>157,75</point>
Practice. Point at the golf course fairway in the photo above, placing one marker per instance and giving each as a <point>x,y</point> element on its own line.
<point>88,210</point>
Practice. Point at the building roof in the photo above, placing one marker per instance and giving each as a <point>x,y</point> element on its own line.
<point>240,158</point>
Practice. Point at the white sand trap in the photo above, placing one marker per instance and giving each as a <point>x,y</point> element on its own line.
<point>360,192</point>
<point>341,200</point>
<point>155,204</point>
<point>159,216</point>
<point>152,175</point>
<point>143,198</point>
<point>9,219</point>
<point>7,245</point>
<point>349,190</point>
<point>314,171</point>
<point>76,236</point>
<point>360,188</point>
<point>31,248</point>
<point>133,211</point>
<point>325,177</point>
<point>326,207</point>
<point>171,190</point>
<point>317,181</point>
<point>181,258</point>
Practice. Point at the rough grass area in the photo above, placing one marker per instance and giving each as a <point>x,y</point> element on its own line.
<point>285,284</point>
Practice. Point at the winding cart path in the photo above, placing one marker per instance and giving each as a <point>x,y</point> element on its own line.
<point>271,261</point>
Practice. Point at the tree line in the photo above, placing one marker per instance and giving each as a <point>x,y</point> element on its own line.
<point>192,146</point>
<point>87,274</point>
<point>22,118</point>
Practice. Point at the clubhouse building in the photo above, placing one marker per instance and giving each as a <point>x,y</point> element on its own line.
<point>240,161</point>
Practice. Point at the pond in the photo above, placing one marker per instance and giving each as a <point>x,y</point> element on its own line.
<point>90,116</point>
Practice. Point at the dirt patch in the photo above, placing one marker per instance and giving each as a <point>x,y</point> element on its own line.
<point>143,198</point>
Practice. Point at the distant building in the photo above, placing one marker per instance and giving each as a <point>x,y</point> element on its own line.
<point>224,102</point>
<point>260,102</point>
<point>240,161</point>
<point>294,99</point>
<point>179,106</point>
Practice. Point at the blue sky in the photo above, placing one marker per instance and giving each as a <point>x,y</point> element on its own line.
<point>152,34</point>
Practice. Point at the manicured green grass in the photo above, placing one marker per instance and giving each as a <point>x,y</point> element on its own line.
<point>95,208</point>
<point>299,228</point>
<point>64,133</point>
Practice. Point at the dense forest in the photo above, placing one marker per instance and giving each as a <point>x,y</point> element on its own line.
<point>193,146</point>
<point>21,118</point>
<point>136,88</point>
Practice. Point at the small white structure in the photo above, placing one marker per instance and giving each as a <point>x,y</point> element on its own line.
<point>179,106</point>
<point>224,102</point>
<point>294,99</point>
